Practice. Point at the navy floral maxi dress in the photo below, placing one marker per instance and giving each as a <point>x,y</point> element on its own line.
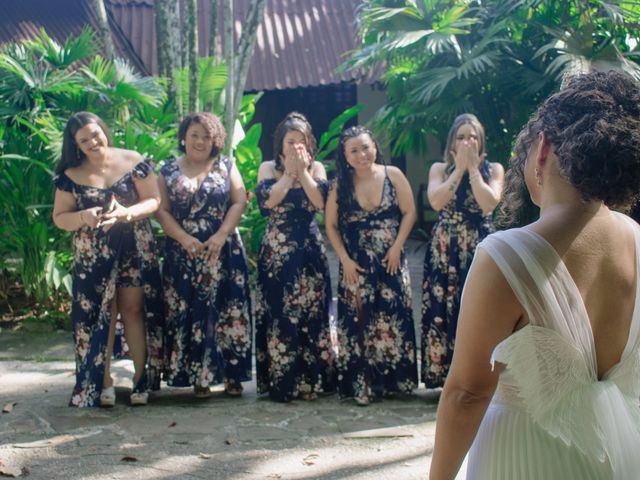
<point>207,308</point>
<point>294,353</point>
<point>376,346</point>
<point>124,256</point>
<point>461,225</point>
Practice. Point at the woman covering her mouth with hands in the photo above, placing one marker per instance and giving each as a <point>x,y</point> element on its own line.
<point>464,188</point>
<point>104,196</point>
<point>293,345</point>
<point>369,213</point>
<point>206,291</point>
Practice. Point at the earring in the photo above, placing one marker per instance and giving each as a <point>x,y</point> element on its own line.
<point>538,177</point>
<point>182,142</point>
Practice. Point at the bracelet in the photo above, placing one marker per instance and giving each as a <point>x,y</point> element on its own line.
<point>453,186</point>
<point>473,177</point>
<point>129,217</point>
<point>82,218</point>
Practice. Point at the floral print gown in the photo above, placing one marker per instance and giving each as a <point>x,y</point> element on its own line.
<point>376,345</point>
<point>293,299</point>
<point>461,225</point>
<point>207,308</point>
<point>124,256</point>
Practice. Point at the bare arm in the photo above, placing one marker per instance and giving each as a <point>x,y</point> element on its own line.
<point>489,313</point>
<point>487,195</point>
<point>440,191</point>
<point>279,189</point>
<point>66,215</point>
<point>350,268</point>
<point>310,186</point>
<point>232,217</point>
<point>170,225</point>
<point>408,210</point>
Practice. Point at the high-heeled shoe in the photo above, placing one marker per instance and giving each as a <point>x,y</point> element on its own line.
<point>108,397</point>
<point>139,394</point>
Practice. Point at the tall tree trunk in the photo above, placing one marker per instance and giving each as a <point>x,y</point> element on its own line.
<point>229,114</point>
<point>213,28</point>
<point>167,19</point>
<point>245,49</point>
<point>238,65</point>
<point>191,25</point>
<point>104,31</point>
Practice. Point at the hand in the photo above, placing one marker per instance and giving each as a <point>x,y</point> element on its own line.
<point>213,246</point>
<point>290,167</point>
<point>459,159</point>
<point>117,215</point>
<point>192,245</point>
<point>350,271</point>
<point>91,216</point>
<point>392,259</point>
<point>302,159</point>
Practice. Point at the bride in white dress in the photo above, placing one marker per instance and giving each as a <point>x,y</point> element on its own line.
<point>545,378</point>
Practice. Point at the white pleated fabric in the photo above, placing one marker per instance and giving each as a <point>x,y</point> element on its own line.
<point>551,418</point>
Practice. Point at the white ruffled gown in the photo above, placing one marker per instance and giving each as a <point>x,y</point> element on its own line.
<point>551,417</point>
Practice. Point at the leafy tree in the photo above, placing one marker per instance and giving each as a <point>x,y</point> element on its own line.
<point>495,58</point>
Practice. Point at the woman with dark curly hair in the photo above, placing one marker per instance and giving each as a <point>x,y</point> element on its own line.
<point>206,288</point>
<point>294,355</point>
<point>464,188</point>
<point>544,380</point>
<point>369,215</point>
<point>104,195</point>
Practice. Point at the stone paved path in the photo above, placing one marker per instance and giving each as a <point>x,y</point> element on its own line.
<point>177,436</point>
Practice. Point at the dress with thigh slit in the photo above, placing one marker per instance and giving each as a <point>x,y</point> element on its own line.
<point>375,328</point>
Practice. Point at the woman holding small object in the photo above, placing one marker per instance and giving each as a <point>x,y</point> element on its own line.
<point>104,195</point>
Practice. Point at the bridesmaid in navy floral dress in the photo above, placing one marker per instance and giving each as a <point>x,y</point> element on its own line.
<point>369,217</point>
<point>465,188</point>
<point>293,343</point>
<point>206,287</point>
<point>104,196</point>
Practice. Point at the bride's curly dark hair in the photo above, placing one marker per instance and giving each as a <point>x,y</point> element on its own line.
<point>344,172</point>
<point>593,124</point>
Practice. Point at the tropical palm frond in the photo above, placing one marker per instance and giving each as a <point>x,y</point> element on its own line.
<point>432,83</point>
<point>63,56</point>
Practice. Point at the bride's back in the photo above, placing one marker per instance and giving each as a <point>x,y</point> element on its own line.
<point>600,256</point>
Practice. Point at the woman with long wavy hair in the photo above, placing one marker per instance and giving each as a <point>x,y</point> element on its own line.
<point>104,195</point>
<point>369,215</point>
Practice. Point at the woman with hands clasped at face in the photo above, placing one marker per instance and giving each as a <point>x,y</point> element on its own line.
<point>369,215</point>
<point>206,290</point>
<point>294,357</point>
<point>104,196</point>
<point>465,188</point>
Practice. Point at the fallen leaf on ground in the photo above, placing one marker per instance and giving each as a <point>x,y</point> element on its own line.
<point>172,424</point>
<point>309,459</point>
<point>128,458</point>
<point>204,455</point>
<point>8,407</point>
<point>26,471</point>
<point>231,440</point>
<point>9,471</point>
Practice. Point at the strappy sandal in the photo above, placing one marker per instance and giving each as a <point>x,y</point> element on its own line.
<point>362,401</point>
<point>233,389</point>
<point>108,397</point>
<point>201,392</point>
<point>309,396</point>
